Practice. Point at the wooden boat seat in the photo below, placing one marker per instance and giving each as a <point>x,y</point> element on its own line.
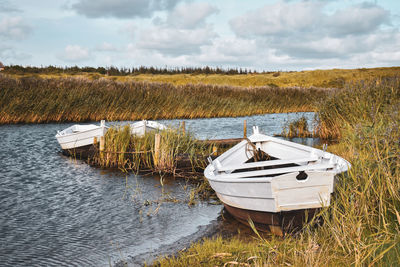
<point>265,163</point>
<point>260,173</point>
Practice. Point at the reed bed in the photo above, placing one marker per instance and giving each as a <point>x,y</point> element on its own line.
<point>359,103</point>
<point>178,151</point>
<point>297,128</point>
<point>40,100</point>
<point>179,155</point>
<point>361,227</point>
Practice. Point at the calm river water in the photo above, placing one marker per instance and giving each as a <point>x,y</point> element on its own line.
<point>59,212</point>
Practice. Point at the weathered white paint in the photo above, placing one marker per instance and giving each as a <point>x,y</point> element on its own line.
<point>280,190</point>
<point>141,127</point>
<point>80,135</point>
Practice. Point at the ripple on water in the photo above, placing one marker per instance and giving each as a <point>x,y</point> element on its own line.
<point>59,212</point>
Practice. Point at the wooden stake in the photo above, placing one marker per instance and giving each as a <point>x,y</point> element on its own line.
<point>102,143</point>
<point>245,129</point>
<point>183,127</point>
<point>157,142</point>
<point>95,140</point>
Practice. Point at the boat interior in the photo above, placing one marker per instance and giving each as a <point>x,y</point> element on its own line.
<point>78,128</point>
<point>260,155</point>
<point>251,160</point>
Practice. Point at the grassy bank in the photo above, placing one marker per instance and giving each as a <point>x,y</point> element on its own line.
<point>39,100</point>
<point>333,78</point>
<point>362,225</point>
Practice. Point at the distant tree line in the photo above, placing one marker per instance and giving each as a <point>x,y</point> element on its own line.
<point>115,71</point>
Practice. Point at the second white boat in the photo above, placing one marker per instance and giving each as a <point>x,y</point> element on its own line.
<point>140,128</point>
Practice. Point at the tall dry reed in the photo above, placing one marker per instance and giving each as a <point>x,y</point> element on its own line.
<point>178,151</point>
<point>361,227</point>
<point>39,100</point>
<point>357,103</point>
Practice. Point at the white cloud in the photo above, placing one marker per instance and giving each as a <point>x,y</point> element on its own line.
<point>75,53</point>
<point>284,18</point>
<point>7,7</point>
<point>190,15</point>
<point>106,47</point>
<point>228,52</point>
<point>14,28</point>
<point>276,34</point>
<point>279,18</point>
<point>130,29</point>
<point>9,55</point>
<point>171,41</point>
<point>358,19</point>
<point>121,8</point>
<point>303,30</point>
<point>183,32</point>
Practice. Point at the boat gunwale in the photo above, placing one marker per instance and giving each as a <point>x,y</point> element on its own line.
<point>76,141</point>
<point>340,165</point>
<point>80,132</point>
<point>227,176</point>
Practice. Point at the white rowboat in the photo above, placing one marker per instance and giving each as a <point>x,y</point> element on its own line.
<point>78,136</point>
<point>140,128</point>
<point>270,175</point>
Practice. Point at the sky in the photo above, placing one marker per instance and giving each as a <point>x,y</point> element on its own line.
<point>255,34</point>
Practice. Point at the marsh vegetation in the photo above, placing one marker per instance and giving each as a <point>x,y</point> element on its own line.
<point>39,100</point>
<point>362,224</point>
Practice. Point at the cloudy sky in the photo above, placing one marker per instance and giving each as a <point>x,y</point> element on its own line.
<point>256,34</point>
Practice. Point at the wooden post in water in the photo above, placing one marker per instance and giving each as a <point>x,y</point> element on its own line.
<point>95,140</point>
<point>157,142</point>
<point>102,139</point>
<point>245,129</point>
<point>183,127</point>
<point>102,143</point>
<point>101,147</point>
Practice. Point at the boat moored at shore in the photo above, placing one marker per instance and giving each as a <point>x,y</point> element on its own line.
<point>140,128</point>
<point>270,176</point>
<point>81,137</point>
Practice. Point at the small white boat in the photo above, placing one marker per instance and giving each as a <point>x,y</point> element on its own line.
<point>265,175</point>
<point>140,128</point>
<point>79,136</point>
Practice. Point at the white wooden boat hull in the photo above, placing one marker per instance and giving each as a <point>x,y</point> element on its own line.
<point>78,136</point>
<point>274,185</point>
<point>140,128</point>
<point>283,193</point>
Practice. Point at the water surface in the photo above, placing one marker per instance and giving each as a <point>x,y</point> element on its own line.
<point>59,212</point>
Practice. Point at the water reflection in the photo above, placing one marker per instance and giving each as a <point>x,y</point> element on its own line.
<point>56,211</point>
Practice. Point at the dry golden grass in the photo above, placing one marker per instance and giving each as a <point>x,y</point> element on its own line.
<point>333,78</point>
<point>361,227</point>
<point>38,100</point>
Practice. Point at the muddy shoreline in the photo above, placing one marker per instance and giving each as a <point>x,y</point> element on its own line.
<point>225,226</point>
